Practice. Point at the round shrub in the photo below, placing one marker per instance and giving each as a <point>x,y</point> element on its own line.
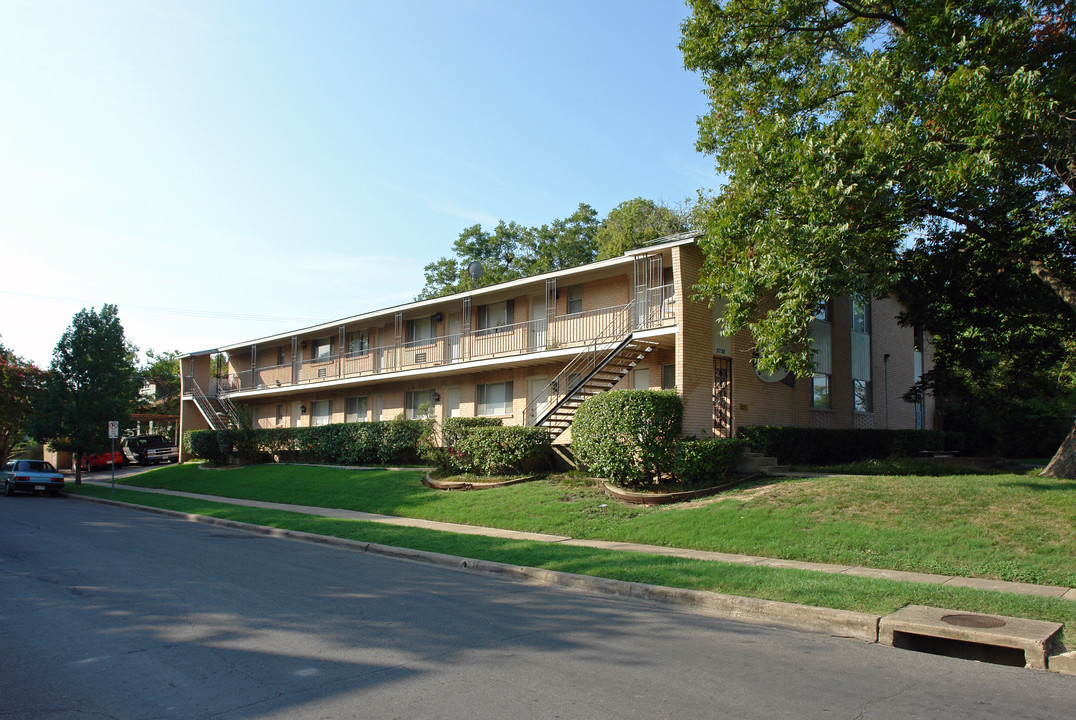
<point>629,436</point>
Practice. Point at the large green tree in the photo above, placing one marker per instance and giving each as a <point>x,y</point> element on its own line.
<point>162,369</point>
<point>852,131</point>
<point>91,380</point>
<point>20,386</point>
<point>634,223</point>
<point>513,251</point>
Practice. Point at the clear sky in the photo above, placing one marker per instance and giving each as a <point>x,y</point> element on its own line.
<point>224,170</point>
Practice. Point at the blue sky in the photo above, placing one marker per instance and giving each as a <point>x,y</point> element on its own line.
<point>224,170</point>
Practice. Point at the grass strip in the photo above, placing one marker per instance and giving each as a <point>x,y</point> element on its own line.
<point>1006,526</point>
<point>817,589</point>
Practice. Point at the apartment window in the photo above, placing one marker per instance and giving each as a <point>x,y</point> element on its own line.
<point>421,331</point>
<point>824,311</point>
<point>821,348</point>
<point>279,414</point>
<point>575,299</point>
<point>321,412</point>
<point>280,355</point>
<point>358,343</point>
<point>495,398</point>
<point>668,376</point>
<point>417,403</point>
<point>861,355</point>
<point>322,349</point>
<point>861,390</point>
<point>493,316</point>
<point>820,391</point>
<point>355,409</point>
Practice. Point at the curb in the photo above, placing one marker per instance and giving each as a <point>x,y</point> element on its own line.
<point>805,618</point>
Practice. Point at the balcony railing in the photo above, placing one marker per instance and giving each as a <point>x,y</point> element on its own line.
<point>653,309</point>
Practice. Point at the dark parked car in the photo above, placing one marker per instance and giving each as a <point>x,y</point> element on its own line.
<point>31,476</point>
<point>148,449</point>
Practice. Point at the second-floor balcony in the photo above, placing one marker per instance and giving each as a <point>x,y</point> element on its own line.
<point>651,310</point>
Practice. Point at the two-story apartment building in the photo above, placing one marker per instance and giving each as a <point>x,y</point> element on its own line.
<point>530,350</point>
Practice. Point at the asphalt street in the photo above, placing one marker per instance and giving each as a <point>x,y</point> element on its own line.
<point>107,612</point>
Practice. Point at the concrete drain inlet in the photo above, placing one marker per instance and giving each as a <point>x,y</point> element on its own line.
<point>986,638</point>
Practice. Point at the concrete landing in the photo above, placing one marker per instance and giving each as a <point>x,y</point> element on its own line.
<point>956,633</point>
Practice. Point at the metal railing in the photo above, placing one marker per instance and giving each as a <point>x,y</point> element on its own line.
<point>653,309</point>
<point>211,413</point>
<point>615,333</point>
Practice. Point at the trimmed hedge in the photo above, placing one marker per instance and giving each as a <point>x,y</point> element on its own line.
<point>452,429</point>
<point>500,450</point>
<point>707,460</point>
<point>814,446</point>
<point>628,436</point>
<point>393,442</point>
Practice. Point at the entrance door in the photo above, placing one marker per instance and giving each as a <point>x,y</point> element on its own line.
<point>455,330</point>
<point>537,391</point>
<point>539,323</point>
<point>723,397</point>
<point>452,402</point>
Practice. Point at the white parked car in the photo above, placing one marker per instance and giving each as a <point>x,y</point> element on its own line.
<point>31,476</point>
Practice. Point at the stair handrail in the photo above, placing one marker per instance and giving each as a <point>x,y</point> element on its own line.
<point>228,405</point>
<point>202,401</point>
<point>584,364</point>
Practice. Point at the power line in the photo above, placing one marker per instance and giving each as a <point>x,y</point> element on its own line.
<point>180,312</point>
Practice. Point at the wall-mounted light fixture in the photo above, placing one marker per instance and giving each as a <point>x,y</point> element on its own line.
<point>302,409</point>
<point>304,344</point>
<point>437,317</point>
<point>436,396</point>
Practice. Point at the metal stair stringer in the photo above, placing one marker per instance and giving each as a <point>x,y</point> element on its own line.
<point>604,376</point>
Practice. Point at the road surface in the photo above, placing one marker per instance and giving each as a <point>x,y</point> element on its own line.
<point>120,614</point>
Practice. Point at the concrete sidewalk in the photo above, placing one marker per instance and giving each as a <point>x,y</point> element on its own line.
<point>953,581</point>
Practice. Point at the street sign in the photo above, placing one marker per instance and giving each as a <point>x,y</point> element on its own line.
<point>113,429</point>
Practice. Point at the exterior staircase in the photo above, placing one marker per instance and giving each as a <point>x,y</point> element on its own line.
<point>590,373</point>
<point>753,462</point>
<point>217,409</point>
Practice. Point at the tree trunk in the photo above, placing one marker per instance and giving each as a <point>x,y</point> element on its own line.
<point>78,467</point>
<point>1063,464</point>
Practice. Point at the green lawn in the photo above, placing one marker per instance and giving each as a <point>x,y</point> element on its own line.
<point>1000,526</point>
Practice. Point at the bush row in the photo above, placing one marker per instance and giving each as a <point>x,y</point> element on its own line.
<point>814,446</point>
<point>393,442</point>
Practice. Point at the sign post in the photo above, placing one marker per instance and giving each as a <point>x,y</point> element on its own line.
<point>113,433</point>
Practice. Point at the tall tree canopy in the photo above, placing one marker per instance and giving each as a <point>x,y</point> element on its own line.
<point>91,380</point>
<point>20,386</point>
<point>162,369</point>
<point>513,251</point>
<point>634,223</point>
<point>851,130</point>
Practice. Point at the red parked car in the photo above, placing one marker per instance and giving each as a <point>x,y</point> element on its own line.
<point>95,461</point>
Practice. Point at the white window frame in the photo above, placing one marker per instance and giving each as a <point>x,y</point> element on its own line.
<point>355,409</point>
<point>321,349</point>
<point>484,406</point>
<point>414,399</point>
<point>321,413</point>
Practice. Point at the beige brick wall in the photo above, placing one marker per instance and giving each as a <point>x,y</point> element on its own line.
<point>753,402</point>
<point>694,344</point>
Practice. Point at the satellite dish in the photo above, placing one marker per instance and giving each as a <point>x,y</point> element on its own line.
<point>774,377</point>
<point>475,270</point>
